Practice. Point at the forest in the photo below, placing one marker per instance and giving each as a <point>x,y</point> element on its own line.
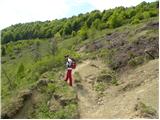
<point>79,25</point>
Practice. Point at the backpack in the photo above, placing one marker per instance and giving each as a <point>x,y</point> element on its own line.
<point>73,64</point>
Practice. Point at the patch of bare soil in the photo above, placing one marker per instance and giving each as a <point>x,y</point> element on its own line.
<point>128,43</point>
<point>136,96</point>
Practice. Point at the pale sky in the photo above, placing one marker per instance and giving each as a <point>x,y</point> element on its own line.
<point>21,11</point>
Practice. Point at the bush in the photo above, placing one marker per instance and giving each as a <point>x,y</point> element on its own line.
<point>83,34</point>
<point>136,61</point>
<point>21,69</point>
<point>135,21</point>
<point>146,15</point>
<point>146,111</point>
<point>139,16</point>
<point>100,87</point>
<point>69,112</point>
<point>106,76</point>
<point>153,13</point>
<point>3,51</point>
<point>73,33</point>
<point>115,20</point>
<point>51,87</point>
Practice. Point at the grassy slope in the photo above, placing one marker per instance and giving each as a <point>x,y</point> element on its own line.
<point>32,71</point>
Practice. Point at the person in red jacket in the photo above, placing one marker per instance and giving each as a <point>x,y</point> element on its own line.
<point>69,69</point>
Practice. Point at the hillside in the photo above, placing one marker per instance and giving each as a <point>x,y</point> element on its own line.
<point>116,74</point>
<point>135,96</point>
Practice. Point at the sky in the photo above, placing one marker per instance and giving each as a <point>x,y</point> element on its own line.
<point>21,11</point>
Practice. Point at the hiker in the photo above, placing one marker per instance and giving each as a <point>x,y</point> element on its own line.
<point>70,64</point>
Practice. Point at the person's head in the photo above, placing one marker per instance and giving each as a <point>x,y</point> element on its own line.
<point>66,56</point>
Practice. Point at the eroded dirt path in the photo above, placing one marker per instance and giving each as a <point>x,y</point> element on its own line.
<point>140,84</point>
<point>87,96</point>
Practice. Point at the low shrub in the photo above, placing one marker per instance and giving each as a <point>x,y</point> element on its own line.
<point>100,87</point>
<point>146,111</point>
<point>136,61</point>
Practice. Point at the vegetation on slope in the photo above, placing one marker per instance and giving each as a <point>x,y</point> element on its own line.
<point>87,36</point>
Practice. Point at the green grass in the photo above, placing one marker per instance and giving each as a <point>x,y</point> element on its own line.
<point>23,72</point>
<point>65,94</point>
<point>100,87</point>
<point>38,60</point>
<point>30,73</point>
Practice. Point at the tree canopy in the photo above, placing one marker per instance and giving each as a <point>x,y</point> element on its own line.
<point>75,25</point>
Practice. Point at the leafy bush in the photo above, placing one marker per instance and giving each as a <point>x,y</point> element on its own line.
<point>146,15</point>
<point>100,87</point>
<point>114,21</point>
<point>3,51</point>
<point>51,88</point>
<point>20,71</point>
<point>69,112</point>
<point>139,16</point>
<point>96,24</point>
<point>83,34</point>
<point>153,13</point>
<point>135,21</point>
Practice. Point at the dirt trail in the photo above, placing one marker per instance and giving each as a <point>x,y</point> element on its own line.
<point>140,84</point>
<point>87,96</point>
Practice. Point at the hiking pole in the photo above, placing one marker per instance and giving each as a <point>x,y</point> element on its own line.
<point>149,54</point>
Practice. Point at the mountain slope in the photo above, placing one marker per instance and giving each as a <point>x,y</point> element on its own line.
<point>137,86</point>
<point>112,80</point>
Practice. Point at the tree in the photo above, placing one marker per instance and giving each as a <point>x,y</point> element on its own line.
<point>53,43</point>
<point>20,71</point>
<point>146,15</point>
<point>112,18</point>
<point>7,36</point>
<point>3,51</point>
<point>139,16</point>
<point>135,21</point>
<point>93,15</point>
<point>96,23</point>
<point>58,37</point>
<point>83,33</point>
<point>77,23</point>
<point>130,12</point>
<point>142,7</point>
<point>153,13</point>
<point>106,14</point>
<point>36,52</point>
<point>10,82</point>
<point>115,20</point>
<point>73,33</point>
<point>67,30</point>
